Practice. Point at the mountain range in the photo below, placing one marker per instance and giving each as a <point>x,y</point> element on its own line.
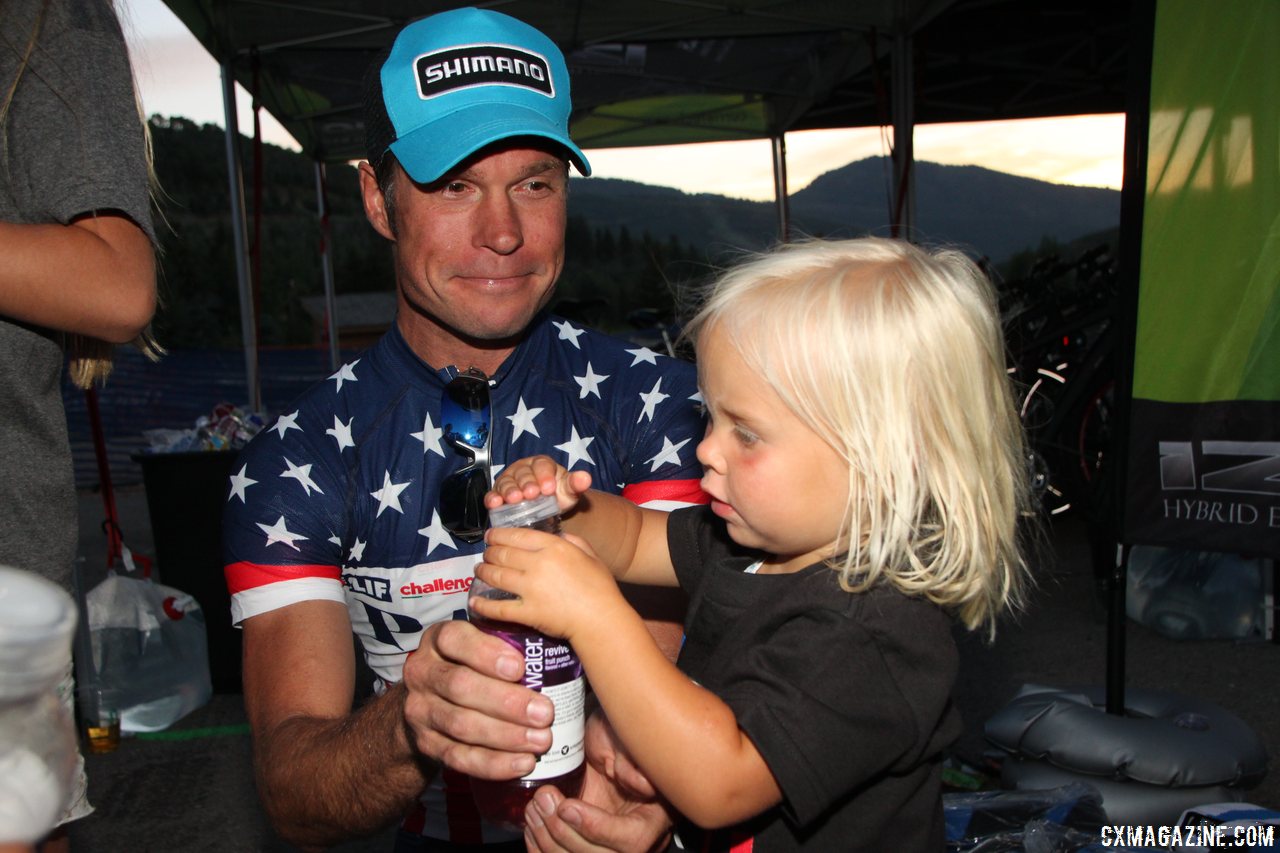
<point>628,244</point>
<point>984,211</point>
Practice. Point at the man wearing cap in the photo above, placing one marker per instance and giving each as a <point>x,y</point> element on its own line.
<point>350,513</point>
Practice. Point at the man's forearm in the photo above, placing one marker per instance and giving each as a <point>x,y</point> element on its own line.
<point>325,781</point>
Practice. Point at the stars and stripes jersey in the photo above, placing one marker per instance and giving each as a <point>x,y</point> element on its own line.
<point>337,499</point>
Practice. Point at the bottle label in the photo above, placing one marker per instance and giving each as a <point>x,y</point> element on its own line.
<point>552,669</point>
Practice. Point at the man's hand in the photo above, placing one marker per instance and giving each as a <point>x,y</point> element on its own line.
<point>464,706</point>
<point>618,809</point>
<point>556,825</point>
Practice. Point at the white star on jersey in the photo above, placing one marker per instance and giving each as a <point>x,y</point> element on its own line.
<point>576,448</point>
<point>342,433</point>
<point>651,400</point>
<point>278,532</point>
<point>357,551</point>
<point>436,534</point>
<point>590,383</point>
<point>284,423</point>
<point>569,333</point>
<point>240,482</point>
<point>301,473</point>
<point>522,421</point>
<point>389,494</point>
<point>643,354</point>
<point>669,453</point>
<point>430,437</point>
<point>347,372</point>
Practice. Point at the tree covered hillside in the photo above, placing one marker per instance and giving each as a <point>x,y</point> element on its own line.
<point>629,245</point>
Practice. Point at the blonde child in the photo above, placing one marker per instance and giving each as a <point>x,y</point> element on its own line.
<point>866,471</point>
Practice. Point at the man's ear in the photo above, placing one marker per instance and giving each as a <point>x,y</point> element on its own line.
<point>375,206</point>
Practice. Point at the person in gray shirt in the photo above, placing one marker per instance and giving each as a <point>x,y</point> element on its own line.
<point>79,263</point>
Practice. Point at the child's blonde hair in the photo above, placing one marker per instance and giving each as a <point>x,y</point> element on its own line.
<point>894,355</point>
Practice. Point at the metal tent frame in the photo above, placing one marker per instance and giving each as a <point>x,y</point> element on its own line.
<point>674,71</point>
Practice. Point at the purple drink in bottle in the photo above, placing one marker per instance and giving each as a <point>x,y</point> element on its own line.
<point>552,669</point>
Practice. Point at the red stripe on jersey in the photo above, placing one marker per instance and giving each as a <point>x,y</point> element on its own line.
<point>729,840</point>
<point>684,491</point>
<point>464,819</point>
<point>242,576</point>
<point>416,820</point>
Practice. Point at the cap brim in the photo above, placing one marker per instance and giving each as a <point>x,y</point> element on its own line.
<point>432,150</point>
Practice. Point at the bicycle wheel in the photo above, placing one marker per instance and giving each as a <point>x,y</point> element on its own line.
<point>1039,390</point>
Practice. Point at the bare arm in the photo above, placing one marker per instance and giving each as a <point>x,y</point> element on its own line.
<point>316,760</point>
<point>673,728</point>
<point>95,276</point>
<point>632,543</point>
<point>313,757</point>
<point>630,540</point>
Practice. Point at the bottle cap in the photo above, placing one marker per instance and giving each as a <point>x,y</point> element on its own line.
<point>524,513</point>
<point>37,622</point>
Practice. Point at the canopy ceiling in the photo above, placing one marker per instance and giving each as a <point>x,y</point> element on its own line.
<point>649,72</point>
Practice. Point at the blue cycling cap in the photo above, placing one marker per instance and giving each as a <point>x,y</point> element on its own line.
<point>463,79</point>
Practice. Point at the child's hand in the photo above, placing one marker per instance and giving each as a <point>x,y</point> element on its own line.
<point>563,589</point>
<point>528,478</point>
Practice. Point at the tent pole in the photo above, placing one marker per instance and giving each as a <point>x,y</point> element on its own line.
<point>1111,520</point>
<point>326,265</point>
<point>780,187</point>
<point>1116,615</point>
<point>903,106</point>
<point>248,322</point>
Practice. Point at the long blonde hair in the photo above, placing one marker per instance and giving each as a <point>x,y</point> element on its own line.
<point>90,360</point>
<point>894,355</point>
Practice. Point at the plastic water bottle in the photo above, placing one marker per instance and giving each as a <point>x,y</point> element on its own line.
<point>552,669</point>
<point>37,733</point>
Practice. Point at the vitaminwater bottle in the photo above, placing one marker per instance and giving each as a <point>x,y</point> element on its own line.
<point>552,669</point>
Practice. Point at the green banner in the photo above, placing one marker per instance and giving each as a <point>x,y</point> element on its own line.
<point>1204,444</point>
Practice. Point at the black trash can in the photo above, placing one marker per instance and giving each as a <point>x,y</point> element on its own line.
<point>185,496</point>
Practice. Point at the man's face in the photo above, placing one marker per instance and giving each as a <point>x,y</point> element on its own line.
<point>478,252</point>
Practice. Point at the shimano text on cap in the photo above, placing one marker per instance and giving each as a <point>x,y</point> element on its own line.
<point>479,65</point>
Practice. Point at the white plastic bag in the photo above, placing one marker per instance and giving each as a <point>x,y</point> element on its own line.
<point>150,646</point>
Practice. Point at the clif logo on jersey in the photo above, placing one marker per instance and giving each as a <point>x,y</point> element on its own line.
<point>378,588</point>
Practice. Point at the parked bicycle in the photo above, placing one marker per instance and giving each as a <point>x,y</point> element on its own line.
<point>1059,322</point>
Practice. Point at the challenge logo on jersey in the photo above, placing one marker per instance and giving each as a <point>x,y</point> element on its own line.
<point>482,64</point>
<point>443,586</point>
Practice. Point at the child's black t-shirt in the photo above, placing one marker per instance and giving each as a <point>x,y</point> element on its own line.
<point>846,696</point>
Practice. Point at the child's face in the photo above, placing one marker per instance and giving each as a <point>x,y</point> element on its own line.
<point>780,487</point>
